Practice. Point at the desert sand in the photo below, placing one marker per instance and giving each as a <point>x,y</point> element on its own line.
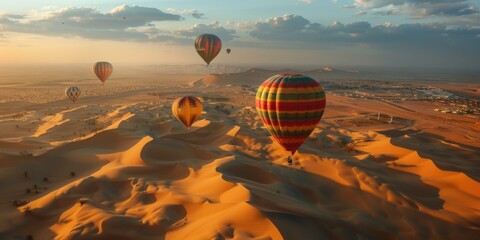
<point>117,165</point>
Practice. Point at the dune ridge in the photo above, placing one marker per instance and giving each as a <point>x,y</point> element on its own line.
<point>228,180</point>
<point>53,121</point>
<point>117,165</point>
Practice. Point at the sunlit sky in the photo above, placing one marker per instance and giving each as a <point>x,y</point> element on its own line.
<point>405,33</point>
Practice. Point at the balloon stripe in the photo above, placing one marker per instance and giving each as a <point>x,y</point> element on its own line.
<point>277,132</point>
<point>297,85</point>
<point>292,106</point>
<point>192,118</point>
<point>207,48</point>
<point>294,122</point>
<point>292,97</point>
<point>291,130</point>
<point>186,113</point>
<point>292,138</point>
<point>291,114</point>
<point>292,90</point>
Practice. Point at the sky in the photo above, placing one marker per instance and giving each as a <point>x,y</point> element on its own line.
<point>399,33</point>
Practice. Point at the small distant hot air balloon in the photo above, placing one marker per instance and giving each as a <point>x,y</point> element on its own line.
<point>228,50</point>
<point>290,106</point>
<point>208,46</point>
<point>102,70</point>
<point>187,110</point>
<point>73,92</point>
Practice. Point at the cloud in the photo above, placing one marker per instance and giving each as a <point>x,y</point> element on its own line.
<point>418,8</point>
<point>428,44</point>
<point>284,24</point>
<point>192,12</point>
<point>294,28</point>
<point>12,16</point>
<point>361,13</point>
<point>214,28</point>
<point>240,25</point>
<point>122,23</point>
<point>143,14</point>
<point>305,1</point>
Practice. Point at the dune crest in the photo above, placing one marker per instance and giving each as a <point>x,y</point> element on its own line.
<point>121,167</point>
<point>53,121</point>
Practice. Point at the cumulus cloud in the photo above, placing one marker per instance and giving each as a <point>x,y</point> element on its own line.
<point>125,23</point>
<point>119,18</point>
<point>423,44</point>
<point>192,12</point>
<point>418,8</point>
<point>284,24</point>
<point>122,23</point>
<point>296,28</point>
<point>240,25</point>
<point>214,28</point>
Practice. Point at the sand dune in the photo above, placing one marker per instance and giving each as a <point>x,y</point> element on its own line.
<point>255,76</point>
<point>120,170</point>
<point>53,121</point>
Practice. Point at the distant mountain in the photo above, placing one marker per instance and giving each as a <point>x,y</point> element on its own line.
<point>331,70</point>
<point>252,77</point>
<point>255,76</point>
<point>194,69</point>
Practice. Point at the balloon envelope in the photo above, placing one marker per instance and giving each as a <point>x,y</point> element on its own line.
<point>187,110</point>
<point>73,92</point>
<point>290,106</point>
<point>103,70</point>
<point>208,46</point>
<point>228,50</point>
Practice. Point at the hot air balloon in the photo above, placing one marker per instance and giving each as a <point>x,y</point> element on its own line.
<point>208,46</point>
<point>102,70</point>
<point>290,106</point>
<point>228,50</point>
<point>73,92</point>
<point>187,110</point>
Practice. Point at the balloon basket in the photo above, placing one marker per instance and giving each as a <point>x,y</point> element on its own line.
<point>289,159</point>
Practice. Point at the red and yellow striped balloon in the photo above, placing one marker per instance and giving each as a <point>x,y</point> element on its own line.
<point>208,46</point>
<point>187,110</point>
<point>290,106</point>
<point>103,70</point>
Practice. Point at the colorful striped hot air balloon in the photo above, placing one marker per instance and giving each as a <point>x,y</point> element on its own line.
<point>102,70</point>
<point>290,106</point>
<point>187,110</point>
<point>208,46</point>
<point>73,92</point>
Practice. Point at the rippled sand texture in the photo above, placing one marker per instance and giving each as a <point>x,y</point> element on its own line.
<point>122,168</point>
